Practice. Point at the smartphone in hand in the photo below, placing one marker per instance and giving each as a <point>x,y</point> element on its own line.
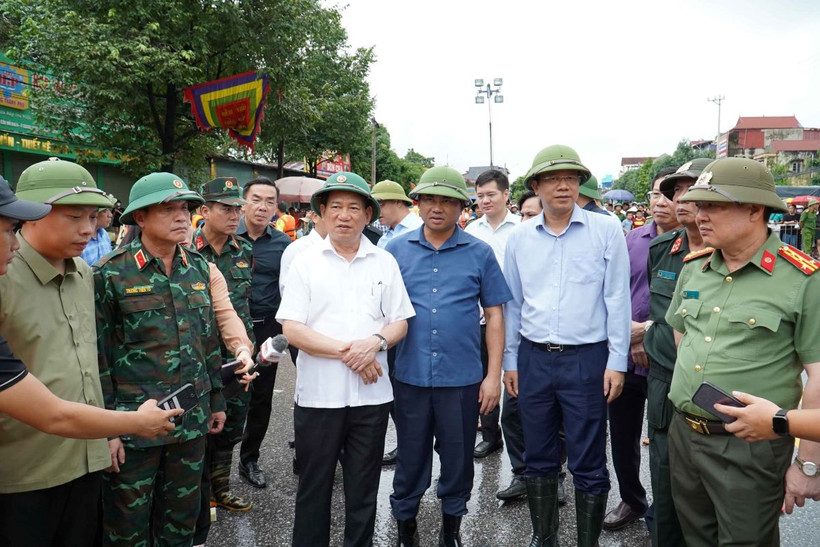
<point>184,398</point>
<point>709,394</point>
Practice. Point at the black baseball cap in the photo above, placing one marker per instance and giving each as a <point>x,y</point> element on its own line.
<point>18,209</point>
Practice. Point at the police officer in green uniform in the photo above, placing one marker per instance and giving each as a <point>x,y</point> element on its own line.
<point>746,318</point>
<point>665,262</point>
<point>156,333</point>
<point>808,225</point>
<point>216,240</point>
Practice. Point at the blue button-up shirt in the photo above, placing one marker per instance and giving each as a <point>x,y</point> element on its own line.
<point>568,288</point>
<point>98,246</point>
<point>410,222</point>
<point>445,285</point>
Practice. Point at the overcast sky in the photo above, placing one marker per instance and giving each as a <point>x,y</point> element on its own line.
<point>610,79</point>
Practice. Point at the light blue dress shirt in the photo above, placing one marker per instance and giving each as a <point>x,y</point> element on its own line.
<point>568,288</point>
<point>408,223</point>
<point>98,246</point>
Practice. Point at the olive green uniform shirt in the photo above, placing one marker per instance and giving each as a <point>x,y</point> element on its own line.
<point>749,330</point>
<point>157,333</point>
<point>235,261</point>
<point>664,264</point>
<point>48,320</point>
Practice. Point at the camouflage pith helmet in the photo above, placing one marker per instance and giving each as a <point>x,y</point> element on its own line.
<point>557,157</point>
<point>736,180</point>
<point>224,190</point>
<point>158,188</point>
<point>442,181</point>
<point>58,182</point>
<point>689,170</point>
<point>388,190</point>
<point>346,182</point>
<point>590,188</point>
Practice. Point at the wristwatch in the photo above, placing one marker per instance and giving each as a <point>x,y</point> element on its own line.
<point>780,422</point>
<point>649,324</point>
<point>382,343</point>
<point>808,468</point>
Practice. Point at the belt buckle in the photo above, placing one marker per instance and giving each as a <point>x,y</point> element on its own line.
<point>698,426</point>
<point>554,347</point>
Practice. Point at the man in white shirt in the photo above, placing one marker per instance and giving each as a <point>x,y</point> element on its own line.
<point>345,304</point>
<point>299,246</point>
<point>492,190</point>
<point>395,210</point>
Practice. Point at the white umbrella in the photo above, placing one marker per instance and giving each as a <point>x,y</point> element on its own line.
<point>297,188</point>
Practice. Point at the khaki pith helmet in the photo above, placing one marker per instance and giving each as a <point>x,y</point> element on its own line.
<point>557,157</point>
<point>442,181</point>
<point>736,180</point>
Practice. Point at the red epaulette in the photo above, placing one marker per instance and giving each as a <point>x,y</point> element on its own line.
<point>200,242</point>
<point>676,246</point>
<point>697,254</point>
<point>140,259</point>
<point>799,259</point>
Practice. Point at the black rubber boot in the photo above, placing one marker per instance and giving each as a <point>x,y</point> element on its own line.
<point>408,536</point>
<point>450,534</point>
<point>542,495</point>
<point>589,515</point>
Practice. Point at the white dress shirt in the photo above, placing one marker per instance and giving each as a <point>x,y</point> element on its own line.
<point>346,301</point>
<point>494,237</point>
<point>410,222</point>
<point>292,251</point>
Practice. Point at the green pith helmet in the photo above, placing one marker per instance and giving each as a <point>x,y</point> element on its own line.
<point>387,190</point>
<point>442,181</point>
<point>158,188</point>
<point>224,190</point>
<point>58,182</point>
<point>590,188</point>
<point>735,180</point>
<point>689,170</point>
<point>346,182</point>
<point>557,157</point>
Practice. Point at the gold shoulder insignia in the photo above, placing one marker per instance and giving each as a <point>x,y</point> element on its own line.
<point>697,254</point>
<point>140,259</point>
<point>798,259</point>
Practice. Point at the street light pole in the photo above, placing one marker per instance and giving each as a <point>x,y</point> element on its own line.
<point>717,100</point>
<point>493,94</point>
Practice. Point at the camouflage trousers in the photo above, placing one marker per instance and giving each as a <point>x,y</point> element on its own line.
<point>154,499</point>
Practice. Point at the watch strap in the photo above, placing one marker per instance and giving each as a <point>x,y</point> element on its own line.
<point>383,341</point>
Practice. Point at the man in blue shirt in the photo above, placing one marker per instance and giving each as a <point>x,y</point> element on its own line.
<point>567,336</point>
<point>439,385</point>
<point>100,243</point>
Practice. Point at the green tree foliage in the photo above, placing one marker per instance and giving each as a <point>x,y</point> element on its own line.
<point>638,181</point>
<point>517,188</point>
<point>131,61</point>
<point>389,165</point>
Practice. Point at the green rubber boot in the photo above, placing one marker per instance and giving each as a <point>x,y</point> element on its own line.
<point>589,514</point>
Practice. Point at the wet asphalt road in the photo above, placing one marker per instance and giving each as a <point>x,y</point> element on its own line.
<point>489,523</point>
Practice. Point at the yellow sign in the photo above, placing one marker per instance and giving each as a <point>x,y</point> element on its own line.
<point>13,83</point>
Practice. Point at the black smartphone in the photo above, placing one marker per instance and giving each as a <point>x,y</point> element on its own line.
<point>184,398</point>
<point>709,394</point>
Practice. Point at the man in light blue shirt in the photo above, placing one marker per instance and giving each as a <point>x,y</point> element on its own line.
<point>100,243</point>
<point>395,210</point>
<point>567,337</point>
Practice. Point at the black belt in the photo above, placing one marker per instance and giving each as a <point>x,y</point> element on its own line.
<point>702,425</point>
<point>551,346</point>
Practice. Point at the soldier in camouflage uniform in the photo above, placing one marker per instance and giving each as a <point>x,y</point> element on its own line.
<point>156,333</point>
<point>233,255</point>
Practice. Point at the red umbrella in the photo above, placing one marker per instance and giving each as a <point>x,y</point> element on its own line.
<point>297,188</point>
<point>803,200</point>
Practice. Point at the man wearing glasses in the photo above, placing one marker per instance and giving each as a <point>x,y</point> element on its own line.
<point>626,413</point>
<point>567,337</point>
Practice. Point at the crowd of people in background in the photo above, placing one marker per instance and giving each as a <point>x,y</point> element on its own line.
<point>544,322</point>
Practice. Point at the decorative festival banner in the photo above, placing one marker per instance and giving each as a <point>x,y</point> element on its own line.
<point>235,103</point>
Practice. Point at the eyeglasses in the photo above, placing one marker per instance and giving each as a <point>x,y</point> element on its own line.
<point>566,179</point>
<point>653,195</point>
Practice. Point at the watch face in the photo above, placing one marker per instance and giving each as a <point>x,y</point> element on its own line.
<point>780,425</point>
<point>810,468</point>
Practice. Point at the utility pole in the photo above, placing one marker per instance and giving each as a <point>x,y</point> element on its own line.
<point>717,100</point>
<point>373,152</point>
<point>493,93</point>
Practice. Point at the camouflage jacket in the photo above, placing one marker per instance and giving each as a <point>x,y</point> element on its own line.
<point>156,334</point>
<point>236,264</point>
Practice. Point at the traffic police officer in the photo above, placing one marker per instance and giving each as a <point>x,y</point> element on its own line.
<point>747,319</point>
<point>157,333</point>
<point>665,262</point>
<point>233,255</point>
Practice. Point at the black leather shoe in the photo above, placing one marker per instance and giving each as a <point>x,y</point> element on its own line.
<point>252,474</point>
<point>389,458</point>
<point>485,448</point>
<point>620,517</point>
<point>516,489</point>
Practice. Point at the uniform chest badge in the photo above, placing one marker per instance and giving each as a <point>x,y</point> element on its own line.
<point>198,286</point>
<point>242,264</point>
<point>690,295</point>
